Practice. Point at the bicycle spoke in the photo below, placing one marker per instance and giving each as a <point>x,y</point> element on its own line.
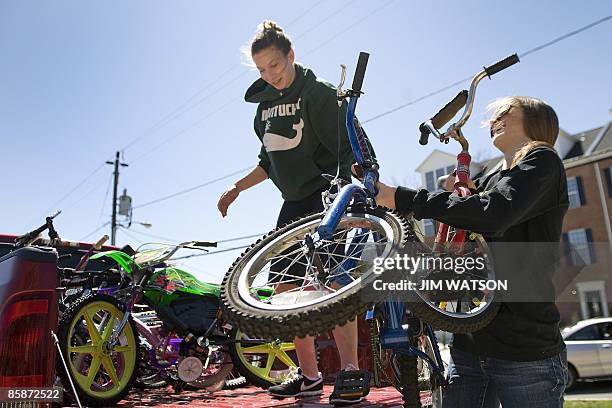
<point>82,349</point>
<point>269,363</point>
<point>258,349</point>
<point>285,359</point>
<point>287,346</point>
<point>123,349</point>
<point>91,327</point>
<point>108,330</point>
<point>110,370</point>
<point>94,367</point>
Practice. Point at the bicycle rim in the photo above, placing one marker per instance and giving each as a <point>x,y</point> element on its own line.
<point>458,304</point>
<point>100,371</point>
<point>269,363</point>
<point>316,287</point>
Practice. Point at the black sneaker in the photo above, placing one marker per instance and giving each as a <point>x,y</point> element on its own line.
<point>297,385</point>
<point>351,387</point>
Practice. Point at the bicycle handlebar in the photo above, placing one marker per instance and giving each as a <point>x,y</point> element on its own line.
<point>445,114</point>
<point>204,244</point>
<point>362,63</point>
<point>29,237</point>
<point>501,65</point>
<point>450,110</point>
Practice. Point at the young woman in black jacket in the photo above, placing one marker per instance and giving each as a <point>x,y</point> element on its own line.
<point>520,357</point>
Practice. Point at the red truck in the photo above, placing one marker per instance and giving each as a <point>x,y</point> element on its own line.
<point>29,307</point>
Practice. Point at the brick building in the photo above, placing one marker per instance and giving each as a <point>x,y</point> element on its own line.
<point>584,279</point>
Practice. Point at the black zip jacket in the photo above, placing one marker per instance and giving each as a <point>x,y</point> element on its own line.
<point>524,206</point>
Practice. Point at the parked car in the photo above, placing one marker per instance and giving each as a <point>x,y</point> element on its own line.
<point>589,350</point>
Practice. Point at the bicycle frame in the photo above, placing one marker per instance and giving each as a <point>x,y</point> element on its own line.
<point>394,335</point>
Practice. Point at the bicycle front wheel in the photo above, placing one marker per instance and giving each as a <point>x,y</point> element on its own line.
<point>103,374</point>
<point>304,295</point>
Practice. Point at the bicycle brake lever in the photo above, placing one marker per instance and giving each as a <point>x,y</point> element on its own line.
<point>339,92</point>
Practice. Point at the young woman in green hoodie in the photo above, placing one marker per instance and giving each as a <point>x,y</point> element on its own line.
<point>297,123</point>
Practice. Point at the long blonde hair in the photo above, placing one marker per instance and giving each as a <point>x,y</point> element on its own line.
<point>540,121</point>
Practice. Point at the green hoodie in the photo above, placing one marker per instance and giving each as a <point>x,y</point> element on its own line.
<point>298,128</point>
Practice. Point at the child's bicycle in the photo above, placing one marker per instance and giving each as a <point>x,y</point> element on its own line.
<point>331,259</point>
<point>182,339</point>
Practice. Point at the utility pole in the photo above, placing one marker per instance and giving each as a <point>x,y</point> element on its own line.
<point>116,163</point>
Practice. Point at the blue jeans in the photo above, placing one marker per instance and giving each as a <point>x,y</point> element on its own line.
<point>478,382</point>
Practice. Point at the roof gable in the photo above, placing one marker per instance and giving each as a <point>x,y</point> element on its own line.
<point>435,156</point>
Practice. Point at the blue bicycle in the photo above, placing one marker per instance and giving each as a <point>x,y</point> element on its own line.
<point>324,268</point>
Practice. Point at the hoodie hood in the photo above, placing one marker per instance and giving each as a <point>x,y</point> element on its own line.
<point>261,91</point>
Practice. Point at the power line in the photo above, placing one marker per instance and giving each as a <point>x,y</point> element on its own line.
<point>419,99</point>
<point>174,114</point>
<point>146,234</point>
<point>110,180</point>
<point>337,11</point>
<point>185,130</point>
<point>130,235</point>
<point>352,25</point>
<point>212,252</point>
<point>563,37</point>
<point>240,238</point>
<point>83,197</point>
<point>173,240</point>
<point>94,231</point>
<point>454,84</point>
<point>522,55</point>
<point>54,206</point>
<point>304,13</point>
<point>194,188</point>
<point>179,111</point>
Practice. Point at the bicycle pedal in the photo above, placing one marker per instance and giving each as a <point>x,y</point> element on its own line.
<point>354,383</point>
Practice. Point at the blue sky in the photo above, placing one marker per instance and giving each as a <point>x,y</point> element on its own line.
<point>163,81</point>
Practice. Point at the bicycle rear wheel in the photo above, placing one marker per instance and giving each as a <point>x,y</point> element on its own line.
<point>262,364</point>
<point>462,308</point>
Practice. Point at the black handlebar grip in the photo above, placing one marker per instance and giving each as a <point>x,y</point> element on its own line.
<point>449,110</point>
<point>360,71</point>
<point>424,134</point>
<point>204,244</point>
<point>501,65</point>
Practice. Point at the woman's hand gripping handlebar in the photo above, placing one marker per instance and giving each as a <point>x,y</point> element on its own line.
<point>463,99</point>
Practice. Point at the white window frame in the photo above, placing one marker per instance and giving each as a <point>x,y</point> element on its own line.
<point>573,193</point>
<point>579,247</point>
<point>435,174</point>
<point>433,185</point>
<point>592,286</point>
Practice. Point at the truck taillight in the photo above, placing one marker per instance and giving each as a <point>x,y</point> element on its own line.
<point>24,339</point>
